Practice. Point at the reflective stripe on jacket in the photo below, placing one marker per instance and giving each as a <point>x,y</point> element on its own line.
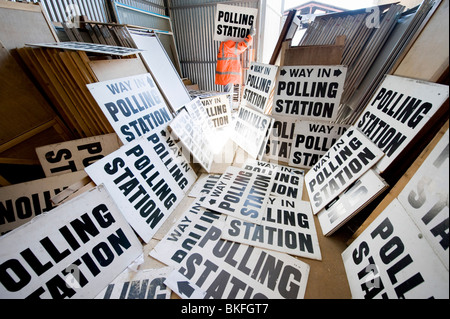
<point>228,68</point>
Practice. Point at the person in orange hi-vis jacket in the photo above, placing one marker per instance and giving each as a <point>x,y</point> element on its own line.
<point>228,70</point>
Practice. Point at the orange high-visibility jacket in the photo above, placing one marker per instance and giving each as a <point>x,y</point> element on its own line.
<point>228,68</point>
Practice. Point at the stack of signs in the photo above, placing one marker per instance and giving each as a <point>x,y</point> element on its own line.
<point>259,87</point>
<point>22,202</point>
<point>349,158</point>
<point>133,105</point>
<point>251,131</point>
<point>392,259</point>
<point>218,110</point>
<point>88,244</point>
<point>193,127</point>
<point>309,92</point>
<point>72,156</point>
<point>147,178</point>
<point>220,269</point>
<point>233,22</point>
<point>311,140</point>
<point>145,284</point>
<point>89,47</point>
<point>279,144</point>
<point>351,201</point>
<point>397,112</point>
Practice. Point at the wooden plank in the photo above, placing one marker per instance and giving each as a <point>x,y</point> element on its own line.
<point>282,37</point>
<point>113,69</point>
<point>314,55</point>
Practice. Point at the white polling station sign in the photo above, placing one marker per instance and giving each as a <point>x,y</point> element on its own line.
<point>218,109</point>
<point>233,22</point>
<point>279,144</point>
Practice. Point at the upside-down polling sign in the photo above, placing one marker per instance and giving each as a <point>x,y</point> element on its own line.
<point>350,157</point>
<point>147,178</point>
<point>133,105</point>
<point>73,251</point>
<point>309,92</point>
<point>233,22</point>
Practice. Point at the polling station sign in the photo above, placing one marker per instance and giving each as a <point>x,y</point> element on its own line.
<point>74,251</point>
<point>279,144</point>
<point>22,202</point>
<point>309,92</point>
<point>221,269</point>
<point>425,198</point>
<point>233,22</point>
<point>392,260</point>
<point>287,226</point>
<point>397,112</point>
<point>311,140</point>
<point>251,131</point>
<point>133,105</point>
<point>240,193</point>
<point>218,109</point>
<point>147,178</point>
<point>350,157</point>
<point>143,285</point>
<point>187,231</point>
<point>259,86</point>
<point>72,156</point>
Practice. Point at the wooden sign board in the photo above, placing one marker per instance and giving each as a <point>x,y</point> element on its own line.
<point>218,109</point>
<point>259,273</point>
<point>147,178</point>
<point>251,131</point>
<point>350,157</point>
<point>144,284</point>
<point>133,105</point>
<point>279,145</point>
<point>72,156</point>
<point>74,251</point>
<point>88,47</point>
<point>425,198</point>
<point>22,202</point>
<point>397,112</point>
<point>233,22</point>
<point>287,226</point>
<point>241,193</point>
<point>350,202</point>
<point>391,259</point>
<point>311,140</point>
<point>309,92</point>
<point>187,231</point>
<point>259,86</point>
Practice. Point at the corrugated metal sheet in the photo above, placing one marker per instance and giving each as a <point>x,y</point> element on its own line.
<point>141,17</point>
<point>193,26</point>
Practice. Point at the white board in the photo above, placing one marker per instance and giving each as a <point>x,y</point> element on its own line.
<point>311,140</point>
<point>425,198</point>
<point>72,156</point>
<point>144,284</point>
<point>147,178</point>
<point>259,86</point>
<point>162,69</point>
<point>240,193</point>
<point>350,202</point>
<point>251,131</point>
<point>287,226</point>
<point>20,203</point>
<point>349,158</point>
<point>309,92</point>
<point>397,112</point>
<point>225,270</point>
<point>133,105</point>
<point>233,22</point>
<point>73,251</point>
<point>391,259</point>
<point>218,109</point>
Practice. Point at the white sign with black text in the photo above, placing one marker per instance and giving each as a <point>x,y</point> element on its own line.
<point>279,145</point>
<point>391,259</point>
<point>309,92</point>
<point>397,112</point>
<point>133,105</point>
<point>147,178</point>
<point>218,109</point>
<point>72,156</point>
<point>233,22</point>
<point>350,157</point>
<point>74,251</point>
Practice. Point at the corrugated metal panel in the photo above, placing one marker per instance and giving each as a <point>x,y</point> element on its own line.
<point>141,17</point>
<point>60,10</point>
<point>156,6</point>
<point>193,26</point>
